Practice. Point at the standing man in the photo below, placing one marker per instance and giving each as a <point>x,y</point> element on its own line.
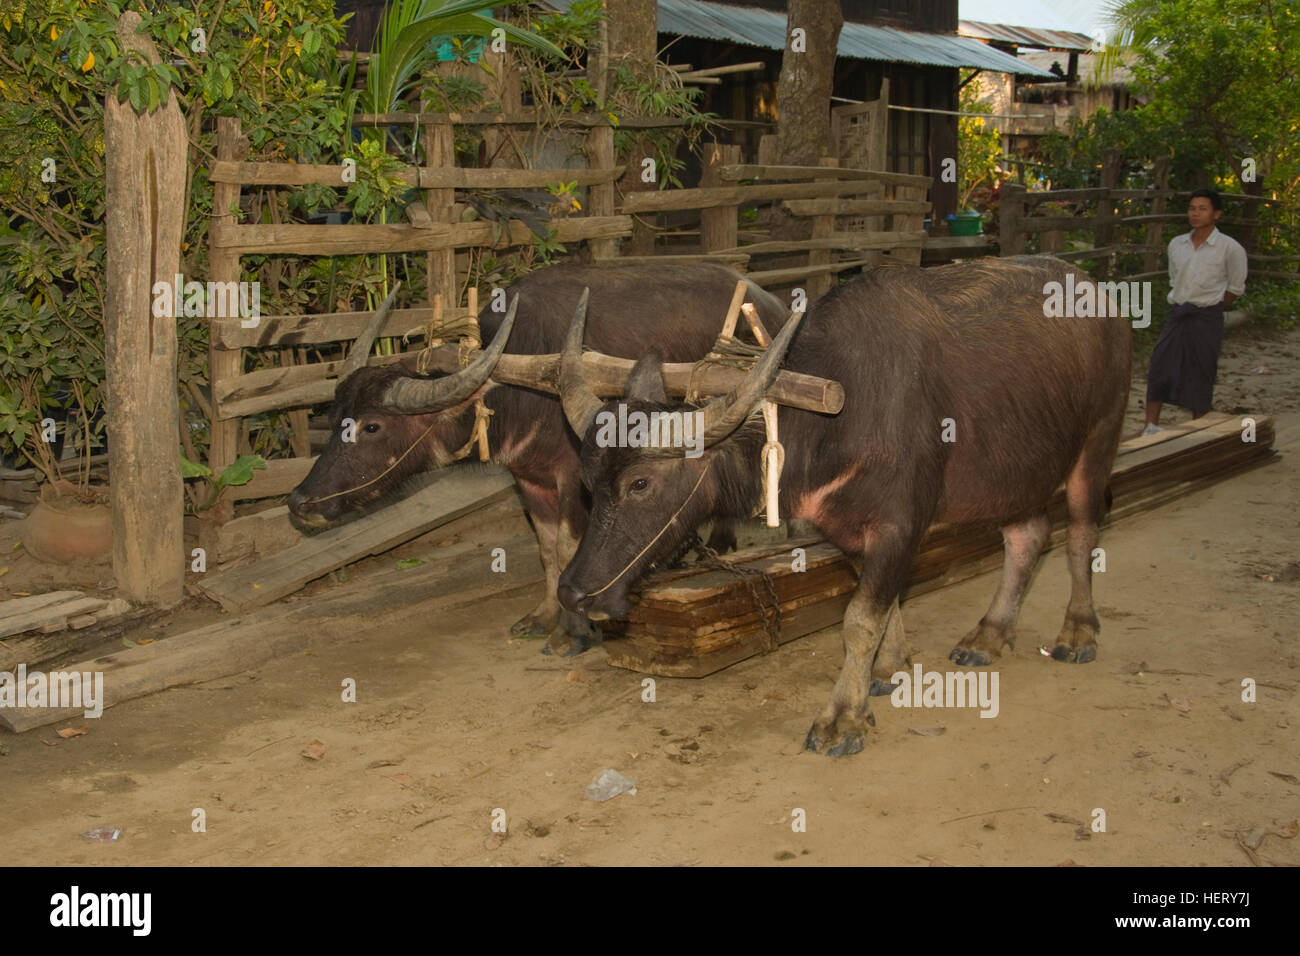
<point>1207,272</point>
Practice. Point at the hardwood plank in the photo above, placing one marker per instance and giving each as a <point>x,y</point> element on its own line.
<point>294,238</point>
<point>455,579</point>
<point>734,173</point>
<point>450,495</point>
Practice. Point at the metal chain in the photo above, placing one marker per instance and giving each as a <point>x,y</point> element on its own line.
<point>771,616</point>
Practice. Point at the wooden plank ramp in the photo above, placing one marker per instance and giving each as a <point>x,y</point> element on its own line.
<point>451,577</point>
<point>693,621</point>
<point>449,495</point>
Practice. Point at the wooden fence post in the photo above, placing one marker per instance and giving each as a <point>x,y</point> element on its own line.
<point>145,165</point>
<point>1155,230</point>
<point>822,228</point>
<point>718,225</point>
<point>1011,210</point>
<point>224,364</point>
<point>600,197</point>
<point>1104,235</point>
<point>440,153</point>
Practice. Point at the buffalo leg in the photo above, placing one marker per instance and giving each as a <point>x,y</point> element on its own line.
<point>542,505</point>
<point>872,619</point>
<point>573,633</point>
<point>1022,544</point>
<point>892,657</point>
<point>1085,497</point>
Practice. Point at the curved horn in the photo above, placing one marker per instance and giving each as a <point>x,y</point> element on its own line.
<point>422,396</point>
<point>580,403</point>
<point>361,347</point>
<point>725,414</point>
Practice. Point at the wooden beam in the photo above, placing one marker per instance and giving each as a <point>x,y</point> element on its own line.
<point>424,177</point>
<point>840,240</point>
<point>453,579</point>
<point>586,120</point>
<point>145,177</point>
<point>450,495</point>
<point>706,197</point>
<point>739,172</point>
<point>312,329</point>
<point>857,207</point>
<point>280,477</point>
<point>308,385</point>
<point>293,238</point>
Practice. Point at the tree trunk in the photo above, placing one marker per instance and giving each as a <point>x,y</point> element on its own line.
<point>803,93</point>
<point>631,38</point>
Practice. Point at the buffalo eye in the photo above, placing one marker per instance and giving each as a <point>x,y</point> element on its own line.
<point>372,428</point>
<point>639,485</point>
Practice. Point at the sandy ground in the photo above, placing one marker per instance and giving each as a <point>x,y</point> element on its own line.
<point>455,722</point>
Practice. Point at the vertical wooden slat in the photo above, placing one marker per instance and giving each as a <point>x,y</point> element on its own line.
<point>145,167</point>
<point>1111,161</point>
<point>223,265</point>
<point>822,227</point>
<point>718,226</point>
<point>1155,230</point>
<point>600,199</point>
<point>1011,210</point>
<point>440,153</point>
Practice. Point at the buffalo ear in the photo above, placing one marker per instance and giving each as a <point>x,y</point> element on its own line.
<point>646,382</point>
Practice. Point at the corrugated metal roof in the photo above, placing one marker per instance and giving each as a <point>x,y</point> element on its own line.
<point>1026,36</point>
<point>766,28</point>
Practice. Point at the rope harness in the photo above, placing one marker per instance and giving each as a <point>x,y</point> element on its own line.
<point>464,326</point>
<point>627,567</point>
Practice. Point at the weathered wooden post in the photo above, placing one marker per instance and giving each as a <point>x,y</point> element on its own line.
<point>1155,229</point>
<point>440,153</point>
<point>1111,165</point>
<point>600,197</point>
<point>1011,210</point>
<point>144,221</point>
<point>718,224</point>
<point>823,227</point>
<point>223,363</point>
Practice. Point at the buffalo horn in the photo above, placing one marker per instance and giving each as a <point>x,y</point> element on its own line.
<point>361,347</point>
<point>423,396</point>
<point>580,402</point>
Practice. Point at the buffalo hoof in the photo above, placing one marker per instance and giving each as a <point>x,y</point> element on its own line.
<point>1077,642</point>
<point>575,635</point>
<point>1075,655</point>
<point>838,738</point>
<point>969,657</point>
<point>533,625</point>
<point>881,688</point>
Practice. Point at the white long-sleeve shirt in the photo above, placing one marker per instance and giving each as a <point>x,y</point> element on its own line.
<point>1201,276</point>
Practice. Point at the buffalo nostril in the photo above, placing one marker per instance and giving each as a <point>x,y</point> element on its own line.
<point>299,503</point>
<point>572,598</point>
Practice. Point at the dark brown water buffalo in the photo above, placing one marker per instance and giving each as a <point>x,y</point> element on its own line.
<point>963,403</point>
<point>407,424</point>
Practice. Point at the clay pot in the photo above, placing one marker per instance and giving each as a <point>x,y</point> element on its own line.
<point>64,529</point>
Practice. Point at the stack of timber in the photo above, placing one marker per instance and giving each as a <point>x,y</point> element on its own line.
<point>34,629</point>
<point>693,621</point>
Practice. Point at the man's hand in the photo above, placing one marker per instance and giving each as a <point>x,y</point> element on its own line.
<point>1228,299</point>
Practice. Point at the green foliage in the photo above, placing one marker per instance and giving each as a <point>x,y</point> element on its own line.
<point>1219,76</point>
<point>238,472</point>
<point>979,147</point>
<point>269,62</point>
<point>629,93</point>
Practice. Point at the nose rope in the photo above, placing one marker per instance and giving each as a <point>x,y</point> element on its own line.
<point>348,491</point>
<point>628,566</point>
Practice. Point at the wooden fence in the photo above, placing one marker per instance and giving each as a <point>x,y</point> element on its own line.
<point>1117,217</point>
<point>823,194</point>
